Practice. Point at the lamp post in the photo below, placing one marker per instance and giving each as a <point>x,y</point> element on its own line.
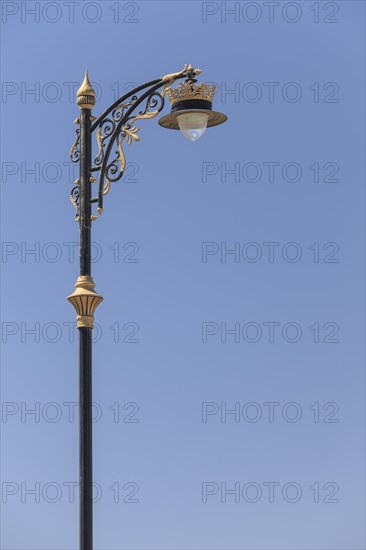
<point>191,111</point>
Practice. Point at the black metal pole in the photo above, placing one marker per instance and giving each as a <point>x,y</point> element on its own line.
<point>86,440</point>
<point>85,344</point>
<point>85,300</point>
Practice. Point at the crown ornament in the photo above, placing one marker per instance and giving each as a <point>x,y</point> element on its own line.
<point>188,90</point>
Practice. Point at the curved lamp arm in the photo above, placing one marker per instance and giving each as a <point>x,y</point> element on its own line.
<point>117,125</point>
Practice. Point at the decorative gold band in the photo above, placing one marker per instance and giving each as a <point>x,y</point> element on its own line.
<point>86,321</point>
<point>85,101</point>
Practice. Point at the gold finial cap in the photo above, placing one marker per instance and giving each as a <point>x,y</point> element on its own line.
<point>86,94</point>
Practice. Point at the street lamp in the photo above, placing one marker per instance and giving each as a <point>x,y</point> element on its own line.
<point>191,113</point>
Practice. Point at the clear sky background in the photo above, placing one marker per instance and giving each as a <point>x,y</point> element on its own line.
<point>173,469</point>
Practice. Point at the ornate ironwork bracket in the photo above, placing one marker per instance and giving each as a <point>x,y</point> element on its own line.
<point>116,127</point>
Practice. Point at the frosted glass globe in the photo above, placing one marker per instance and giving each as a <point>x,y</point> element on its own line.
<point>193,125</point>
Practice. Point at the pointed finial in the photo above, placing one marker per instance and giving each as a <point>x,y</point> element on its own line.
<point>86,94</point>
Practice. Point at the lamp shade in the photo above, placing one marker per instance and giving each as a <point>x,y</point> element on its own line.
<point>191,110</point>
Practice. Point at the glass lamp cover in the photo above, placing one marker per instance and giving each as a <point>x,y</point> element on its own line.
<point>193,125</point>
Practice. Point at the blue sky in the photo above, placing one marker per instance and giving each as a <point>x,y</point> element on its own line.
<point>282,185</point>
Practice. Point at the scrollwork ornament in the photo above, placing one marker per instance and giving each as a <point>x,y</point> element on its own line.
<point>75,148</point>
<point>104,131</point>
<point>107,127</point>
<point>75,200</point>
<point>128,132</point>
